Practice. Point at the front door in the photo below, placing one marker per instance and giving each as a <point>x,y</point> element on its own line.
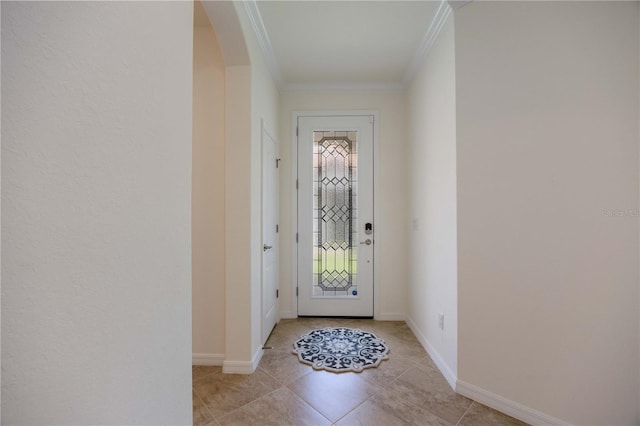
<point>335,216</point>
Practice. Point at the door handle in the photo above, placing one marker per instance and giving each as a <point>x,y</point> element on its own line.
<point>266,247</point>
<point>367,242</point>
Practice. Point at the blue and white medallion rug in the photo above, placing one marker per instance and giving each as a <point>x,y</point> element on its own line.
<point>341,349</point>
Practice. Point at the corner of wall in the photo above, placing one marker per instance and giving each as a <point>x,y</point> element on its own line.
<point>504,405</point>
<point>442,365</point>
<point>243,367</point>
<point>432,221</point>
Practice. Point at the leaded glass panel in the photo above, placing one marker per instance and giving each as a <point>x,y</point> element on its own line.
<point>335,213</point>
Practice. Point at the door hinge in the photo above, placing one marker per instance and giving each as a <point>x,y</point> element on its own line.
<point>277,163</point>
<point>296,237</point>
<point>277,293</point>
<point>297,131</point>
<point>296,291</point>
<point>296,184</point>
<point>277,228</point>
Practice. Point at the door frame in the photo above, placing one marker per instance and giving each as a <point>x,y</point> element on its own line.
<point>265,129</point>
<point>294,196</point>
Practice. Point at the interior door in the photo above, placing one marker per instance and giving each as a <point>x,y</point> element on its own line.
<point>270,244</point>
<point>335,216</point>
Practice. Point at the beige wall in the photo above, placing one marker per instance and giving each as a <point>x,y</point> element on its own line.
<point>208,194</point>
<point>238,313</point>
<point>547,129</point>
<point>96,210</point>
<point>256,100</point>
<point>250,97</point>
<point>391,242</point>
<point>432,212</point>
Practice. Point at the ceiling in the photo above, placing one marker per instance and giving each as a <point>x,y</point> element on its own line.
<point>345,44</point>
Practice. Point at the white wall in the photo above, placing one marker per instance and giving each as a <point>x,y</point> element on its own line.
<point>264,108</point>
<point>0,219</point>
<point>96,184</point>
<point>391,241</point>
<point>547,129</point>
<point>254,98</point>
<point>432,212</point>
<point>208,208</point>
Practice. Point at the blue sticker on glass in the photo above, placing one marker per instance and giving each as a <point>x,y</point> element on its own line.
<point>354,292</point>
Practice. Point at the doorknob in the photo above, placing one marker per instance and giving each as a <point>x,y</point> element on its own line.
<point>266,247</point>
<point>367,242</point>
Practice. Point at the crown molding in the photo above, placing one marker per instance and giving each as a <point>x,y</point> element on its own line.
<point>251,8</point>
<point>444,10</point>
<point>343,87</point>
<point>438,21</point>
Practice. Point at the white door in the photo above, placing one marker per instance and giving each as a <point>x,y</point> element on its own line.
<point>335,216</point>
<point>270,244</point>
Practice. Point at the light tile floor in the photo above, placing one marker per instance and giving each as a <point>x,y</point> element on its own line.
<point>406,389</point>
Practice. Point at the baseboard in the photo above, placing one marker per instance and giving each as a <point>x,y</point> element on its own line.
<point>497,402</point>
<point>380,317</point>
<point>504,405</point>
<point>237,367</point>
<point>256,359</point>
<point>390,317</point>
<point>243,367</point>
<point>207,359</point>
<point>435,356</point>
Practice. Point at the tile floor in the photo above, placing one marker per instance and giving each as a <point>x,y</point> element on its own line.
<point>406,389</point>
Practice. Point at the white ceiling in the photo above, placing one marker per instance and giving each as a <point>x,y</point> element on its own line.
<point>344,44</point>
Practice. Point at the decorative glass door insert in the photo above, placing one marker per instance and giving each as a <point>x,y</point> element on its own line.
<point>335,228</point>
<point>335,215</point>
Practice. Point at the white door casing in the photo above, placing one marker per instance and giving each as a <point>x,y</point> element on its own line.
<point>335,201</point>
<point>270,246</point>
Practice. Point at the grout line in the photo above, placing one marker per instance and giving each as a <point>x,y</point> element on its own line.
<point>353,409</point>
<point>231,412</point>
<point>465,413</point>
<point>205,406</point>
<point>250,402</point>
<point>269,374</point>
<point>309,404</point>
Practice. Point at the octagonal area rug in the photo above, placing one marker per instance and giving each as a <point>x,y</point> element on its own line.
<point>341,349</point>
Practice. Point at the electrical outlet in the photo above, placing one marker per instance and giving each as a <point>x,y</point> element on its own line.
<point>441,321</point>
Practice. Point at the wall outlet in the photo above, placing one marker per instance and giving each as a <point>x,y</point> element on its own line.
<point>441,321</point>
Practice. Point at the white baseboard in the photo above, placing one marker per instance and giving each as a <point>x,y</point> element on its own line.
<point>207,359</point>
<point>504,405</point>
<point>390,317</point>
<point>243,367</point>
<point>497,402</point>
<point>435,356</point>
<point>237,367</point>
<point>256,358</point>
<point>380,317</point>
